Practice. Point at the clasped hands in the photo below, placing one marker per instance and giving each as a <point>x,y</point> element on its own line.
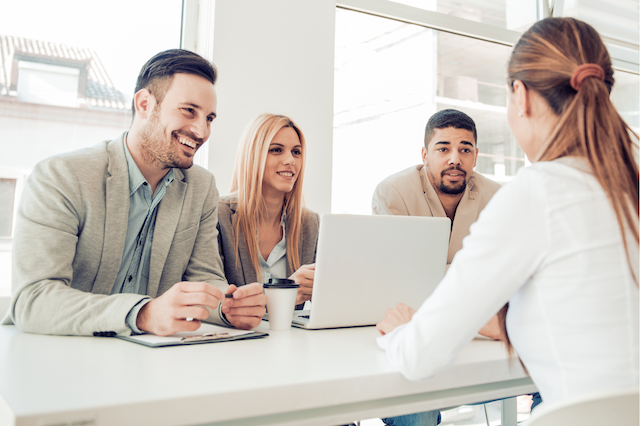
<point>168,313</point>
<point>402,314</point>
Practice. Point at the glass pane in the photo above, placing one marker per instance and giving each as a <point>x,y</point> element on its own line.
<point>625,97</point>
<point>7,197</point>
<point>615,21</point>
<point>70,80</point>
<point>390,78</point>
<point>512,14</point>
<point>68,69</point>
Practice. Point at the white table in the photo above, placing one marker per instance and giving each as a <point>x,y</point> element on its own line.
<point>296,377</point>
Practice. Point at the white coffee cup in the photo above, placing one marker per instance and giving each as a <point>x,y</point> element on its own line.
<point>281,302</point>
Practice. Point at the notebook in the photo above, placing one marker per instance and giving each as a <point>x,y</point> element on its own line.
<point>368,264</point>
<point>207,333</point>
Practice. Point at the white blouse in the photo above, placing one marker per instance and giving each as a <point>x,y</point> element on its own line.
<point>549,244</point>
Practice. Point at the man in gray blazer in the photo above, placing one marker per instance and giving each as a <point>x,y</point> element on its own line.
<point>122,236</point>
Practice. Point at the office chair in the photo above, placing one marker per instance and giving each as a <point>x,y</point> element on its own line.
<point>619,407</point>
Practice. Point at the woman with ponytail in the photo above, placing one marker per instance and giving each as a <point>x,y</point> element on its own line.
<point>264,232</point>
<point>556,249</point>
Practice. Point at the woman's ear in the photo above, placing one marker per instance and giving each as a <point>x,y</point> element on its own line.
<point>521,98</point>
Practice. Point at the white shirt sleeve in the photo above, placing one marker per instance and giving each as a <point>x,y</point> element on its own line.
<point>505,247</point>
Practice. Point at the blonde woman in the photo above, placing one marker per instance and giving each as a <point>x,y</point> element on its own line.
<point>559,242</point>
<point>264,231</point>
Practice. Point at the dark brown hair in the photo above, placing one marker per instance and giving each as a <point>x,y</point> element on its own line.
<point>589,126</point>
<point>157,74</point>
<point>449,118</point>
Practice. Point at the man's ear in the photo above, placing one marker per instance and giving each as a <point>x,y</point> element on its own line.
<point>425,161</point>
<point>143,102</point>
<point>521,98</point>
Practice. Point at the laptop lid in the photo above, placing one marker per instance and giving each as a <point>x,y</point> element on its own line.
<point>368,264</point>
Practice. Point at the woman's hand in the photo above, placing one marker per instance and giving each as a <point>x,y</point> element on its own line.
<point>304,277</point>
<point>492,329</point>
<point>399,315</point>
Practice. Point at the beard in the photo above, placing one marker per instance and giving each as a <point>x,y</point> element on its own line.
<point>452,189</point>
<point>160,150</point>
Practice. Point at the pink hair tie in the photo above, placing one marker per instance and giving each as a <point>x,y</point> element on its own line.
<point>585,71</point>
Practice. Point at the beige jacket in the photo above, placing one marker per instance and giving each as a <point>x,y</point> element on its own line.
<point>410,193</point>
<point>70,234</point>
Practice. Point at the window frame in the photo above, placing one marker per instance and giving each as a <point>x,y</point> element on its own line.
<point>624,58</point>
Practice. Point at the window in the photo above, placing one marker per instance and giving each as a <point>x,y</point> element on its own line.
<point>625,96</point>
<point>390,78</point>
<point>48,84</point>
<point>7,198</point>
<point>66,83</point>
<point>492,12</point>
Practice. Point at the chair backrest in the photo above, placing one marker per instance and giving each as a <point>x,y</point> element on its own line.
<point>619,407</point>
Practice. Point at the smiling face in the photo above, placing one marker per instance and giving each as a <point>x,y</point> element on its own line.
<point>178,126</point>
<point>283,163</point>
<point>450,157</point>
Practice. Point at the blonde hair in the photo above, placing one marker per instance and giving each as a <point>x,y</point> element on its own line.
<point>545,60</point>
<point>247,184</point>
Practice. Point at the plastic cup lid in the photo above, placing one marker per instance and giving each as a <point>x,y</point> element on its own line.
<point>280,283</point>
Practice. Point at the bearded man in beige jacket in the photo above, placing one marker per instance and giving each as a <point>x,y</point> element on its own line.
<point>444,185</point>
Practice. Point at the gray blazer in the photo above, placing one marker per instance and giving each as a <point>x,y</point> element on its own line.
<point>242,272</point>
<point>69,240</point>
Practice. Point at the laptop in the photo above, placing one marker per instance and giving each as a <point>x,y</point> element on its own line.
<point>368,264</point>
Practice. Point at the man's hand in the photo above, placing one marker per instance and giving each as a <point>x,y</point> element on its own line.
<point>492,329</point>
<point>304,276</point>
<point>167,314</point>
<point>401,314</point>
<point>247,307</point>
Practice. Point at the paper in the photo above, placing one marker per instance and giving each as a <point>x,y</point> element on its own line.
<point>207,333</point>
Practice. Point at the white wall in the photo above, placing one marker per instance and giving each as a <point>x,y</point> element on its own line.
<point>275,56</point>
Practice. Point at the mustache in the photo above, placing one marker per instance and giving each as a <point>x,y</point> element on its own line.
<point>453,168</point>
<point>190,135</point>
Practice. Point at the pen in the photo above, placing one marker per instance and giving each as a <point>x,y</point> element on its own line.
<point>228,296</point>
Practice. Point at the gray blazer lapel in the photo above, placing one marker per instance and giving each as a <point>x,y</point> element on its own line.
<point>300,246</point>
<point>250,275</point>
<point>116,217</point>
<point>169,211</point>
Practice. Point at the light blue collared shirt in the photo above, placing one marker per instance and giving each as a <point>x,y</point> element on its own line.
<point>276,264</point>
<point>133,275</point>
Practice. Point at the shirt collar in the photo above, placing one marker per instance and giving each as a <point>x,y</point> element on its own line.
<point>136,179</point>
